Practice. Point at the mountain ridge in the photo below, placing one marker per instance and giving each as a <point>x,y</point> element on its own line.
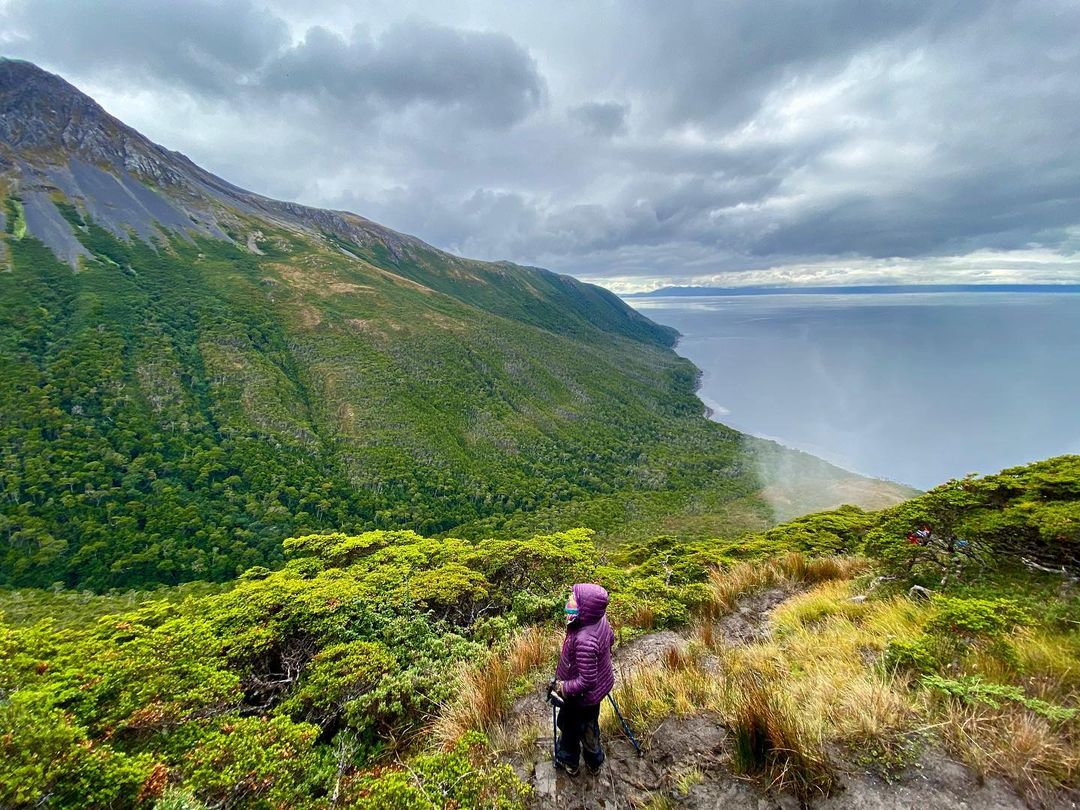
<point>42,115</point>
<point>190,374</point>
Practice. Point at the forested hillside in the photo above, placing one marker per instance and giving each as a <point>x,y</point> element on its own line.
<point>173,412</point>
<point>191,373</point>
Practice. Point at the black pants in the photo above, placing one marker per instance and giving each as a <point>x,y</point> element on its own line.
<point>580,727</point>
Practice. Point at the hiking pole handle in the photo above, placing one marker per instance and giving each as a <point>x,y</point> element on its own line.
<point>552,695</point>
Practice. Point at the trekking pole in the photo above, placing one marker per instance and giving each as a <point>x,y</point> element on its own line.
<point>556,701</point>
<point>626,726</point>
<point>554,734</point>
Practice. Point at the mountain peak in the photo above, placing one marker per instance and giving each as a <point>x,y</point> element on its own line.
<point>40,110</point>
<point>58,145</point>
<point>55,138</point>
<point>43,117</point>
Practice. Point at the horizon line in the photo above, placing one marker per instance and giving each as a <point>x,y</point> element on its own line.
<point>849,289</point>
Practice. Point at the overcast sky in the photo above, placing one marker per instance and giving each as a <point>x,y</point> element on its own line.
<point>628,143</point>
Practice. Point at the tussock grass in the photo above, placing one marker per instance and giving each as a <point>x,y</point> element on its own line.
<point>1023,748</point>
<point>898,618</point>
<point>1051,663</point>
<point>726,586</point>
<point>685,780</point>
<point>648,696</point>
<point>651,694</point>
<point>533,647</point>
<point>786,700</point>
<point>831,599</point>
<point>705,634</point>
<point>827,648</point>
<point>773,738</point>
<point>643,618</point>
<point>486,688</point>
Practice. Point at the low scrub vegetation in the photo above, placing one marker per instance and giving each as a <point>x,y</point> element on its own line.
<point>382,669</point>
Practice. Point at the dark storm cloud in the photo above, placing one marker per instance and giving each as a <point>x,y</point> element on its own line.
<point>241,53</point>
<point>487,75</point>
<point>792,139</point>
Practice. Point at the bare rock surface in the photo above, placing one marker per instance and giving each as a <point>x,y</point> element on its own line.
<point>934,781</point>
<point>749,622</point>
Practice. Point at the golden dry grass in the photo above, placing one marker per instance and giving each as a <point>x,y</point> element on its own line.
<point>823,659</point>
<point>773,737</point>
<point>1051,663</point>
<point>1036,758</point>
<point>486,687</point>
<point>726,586</point>
<point>643,618</point>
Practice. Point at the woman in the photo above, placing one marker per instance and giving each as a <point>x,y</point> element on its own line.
<point>585,676</point>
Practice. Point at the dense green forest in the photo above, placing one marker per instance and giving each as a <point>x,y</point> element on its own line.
<point>323,683</point>
<point>173,410</point>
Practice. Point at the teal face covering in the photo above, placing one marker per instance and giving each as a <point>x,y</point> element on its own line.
<point>571,613</point>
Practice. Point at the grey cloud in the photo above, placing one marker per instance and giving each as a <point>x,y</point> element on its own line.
<point>487,75</point>
<point>236,52</point>
<point>712,61</point>
<point>206,46</point>
<point>603,118</point>
<point>785,133</point>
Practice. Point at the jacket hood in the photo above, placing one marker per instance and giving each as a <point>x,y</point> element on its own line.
<point>592,602</point>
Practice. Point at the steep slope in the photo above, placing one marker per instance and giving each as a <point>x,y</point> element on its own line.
<point>190,373</point>
<point>54,139</point>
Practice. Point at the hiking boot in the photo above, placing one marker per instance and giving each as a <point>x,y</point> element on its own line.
<point>562,766</point>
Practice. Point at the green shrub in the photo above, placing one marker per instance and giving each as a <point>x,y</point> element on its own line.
<point>255,762</point>
<point>46,760</point>
<point>464,777</point>
<point>342,674</point>
<point>974,689</point>
<point>984,618</point>
<point>917,655</point>
<point>668,605</point>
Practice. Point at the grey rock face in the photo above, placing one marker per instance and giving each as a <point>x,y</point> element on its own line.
<point>50,131</point>
<point>44,222</point>
<point>40,112</point>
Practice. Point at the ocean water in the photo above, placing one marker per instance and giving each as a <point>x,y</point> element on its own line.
<point>917,388</point>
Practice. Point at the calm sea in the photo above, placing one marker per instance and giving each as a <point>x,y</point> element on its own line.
<point>917,388</point>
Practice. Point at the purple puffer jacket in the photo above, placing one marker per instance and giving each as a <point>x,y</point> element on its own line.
<point>585,663</point>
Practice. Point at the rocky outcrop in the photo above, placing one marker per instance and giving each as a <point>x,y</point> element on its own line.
<point>51,133</point>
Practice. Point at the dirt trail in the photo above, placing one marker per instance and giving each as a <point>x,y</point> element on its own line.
<point>686,759</point>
